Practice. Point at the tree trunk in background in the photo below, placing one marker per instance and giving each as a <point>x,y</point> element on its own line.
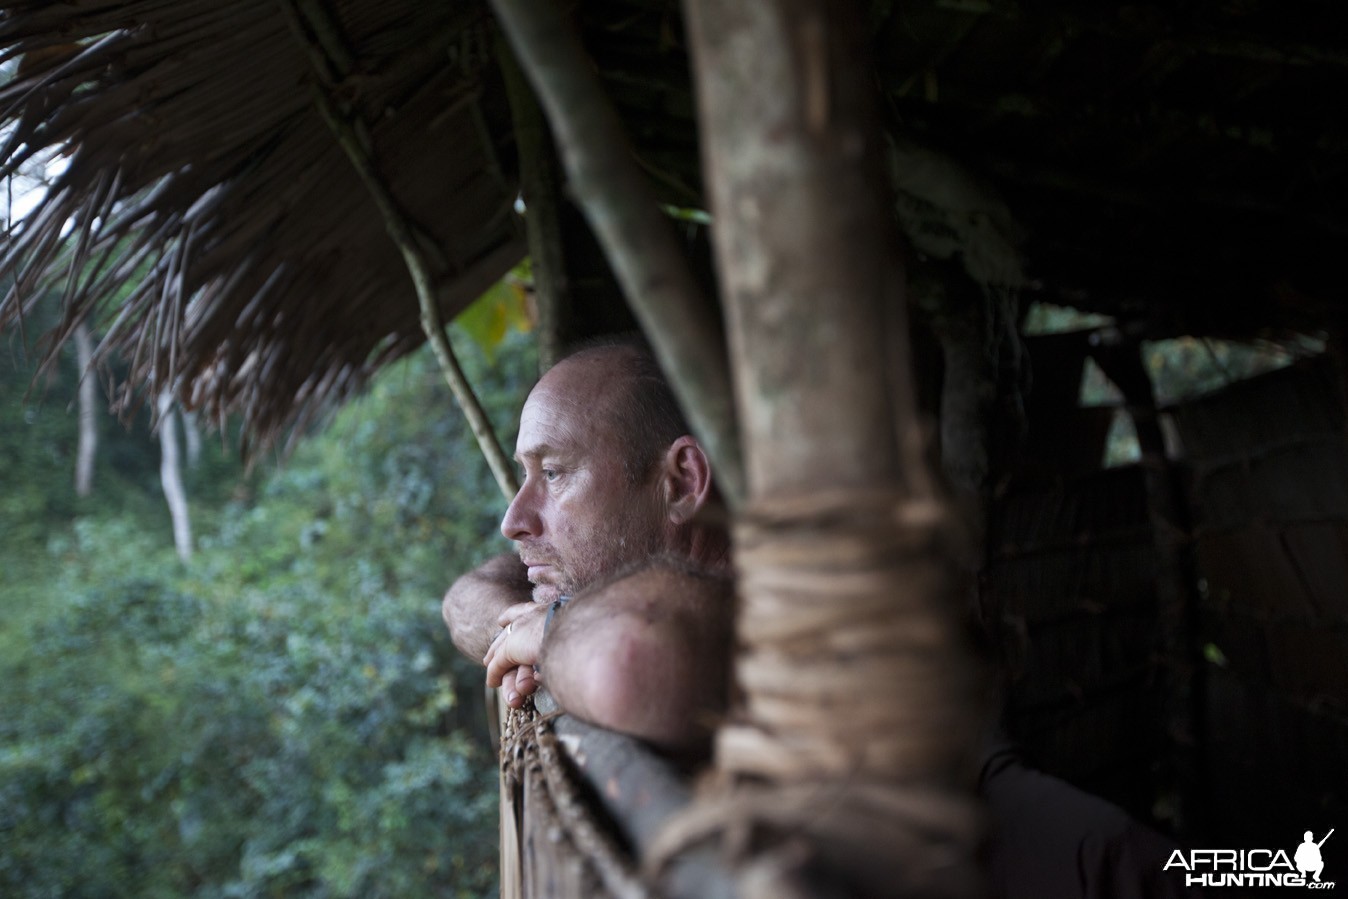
<point>88,441</point>
<point>171,477</point>
<point>853,680</point>
<point>192,439</point>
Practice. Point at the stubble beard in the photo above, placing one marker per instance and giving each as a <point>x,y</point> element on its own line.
<point>633,539</point>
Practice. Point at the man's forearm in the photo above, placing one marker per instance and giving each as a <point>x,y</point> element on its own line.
<point>644,655</point>
<point>477,599</point>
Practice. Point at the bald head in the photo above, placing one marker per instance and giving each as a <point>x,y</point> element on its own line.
<point>629,391</point>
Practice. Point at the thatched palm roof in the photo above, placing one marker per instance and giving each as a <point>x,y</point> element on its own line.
<point>1185,168</point>
<point>197,148</point>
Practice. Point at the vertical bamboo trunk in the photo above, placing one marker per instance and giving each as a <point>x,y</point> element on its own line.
<point>171,478</point>
<point>540,187</point>
<point>87,450</point>
<point>854,684</point>
<point>192,439</point>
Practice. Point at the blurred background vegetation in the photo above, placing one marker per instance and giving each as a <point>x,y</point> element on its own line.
<point>284,714</point>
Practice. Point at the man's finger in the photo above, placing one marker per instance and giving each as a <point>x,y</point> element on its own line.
<point>510,690</point>
<point>497,662</point>
<point>514,612</point>
<point>525,681</point>
<point>495,646</point>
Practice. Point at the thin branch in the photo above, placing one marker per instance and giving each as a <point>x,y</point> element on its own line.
<point>636,236</point>
<point>321,36</point>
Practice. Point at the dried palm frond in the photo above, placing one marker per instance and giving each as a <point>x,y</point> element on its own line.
<point>207,215</point>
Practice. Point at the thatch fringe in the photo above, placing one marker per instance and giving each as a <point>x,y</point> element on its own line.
<point>208,206</point>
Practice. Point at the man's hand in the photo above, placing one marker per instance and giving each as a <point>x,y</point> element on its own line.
<point>513,654</point>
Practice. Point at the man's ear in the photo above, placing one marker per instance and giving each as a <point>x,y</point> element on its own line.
<point>686,477</point>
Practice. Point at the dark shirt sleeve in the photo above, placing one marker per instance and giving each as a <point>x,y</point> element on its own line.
<point>1050,840</point>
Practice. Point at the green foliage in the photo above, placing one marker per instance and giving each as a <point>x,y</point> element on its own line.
<point>502,309</point>
<point>38,425</point>
<point>282,717</point>
<point>160,745</point>
<point>1185,367</point>
<point>1046,318</point>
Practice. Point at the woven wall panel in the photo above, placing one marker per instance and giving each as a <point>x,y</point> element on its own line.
<point>1291,482</point>
<point>1307,662</point>
<point>1094,742</point>
<point>1270,506</point>
<point>1272,765</point>
<point>1250,571</point>
<point>1310,662</point>
<point>1075,661</point>
<point>1074,582</point>
<point>1286,407</point>
<point>1320,553</point>
<point>1106,505</point>
<point>1242,643</point>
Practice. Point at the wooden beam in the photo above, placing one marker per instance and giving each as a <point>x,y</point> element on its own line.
<point>846,576</point>
<point>541,191</point>
<point>637,237</point>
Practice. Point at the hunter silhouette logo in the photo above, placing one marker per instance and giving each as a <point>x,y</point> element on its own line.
<point>1308,855</point>
<point>1210,868</point>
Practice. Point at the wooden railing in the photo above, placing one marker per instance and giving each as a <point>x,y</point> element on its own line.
<point>582,808</point>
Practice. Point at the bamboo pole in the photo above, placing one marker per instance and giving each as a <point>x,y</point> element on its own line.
<point>637,237</point>
<point>88,398</point>
<point>851,668</point>
<point>540,186</point>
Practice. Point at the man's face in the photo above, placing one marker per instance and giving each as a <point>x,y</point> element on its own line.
<point>577,517</point>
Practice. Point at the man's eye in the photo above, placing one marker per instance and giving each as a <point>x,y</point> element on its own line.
<point>549,474</point>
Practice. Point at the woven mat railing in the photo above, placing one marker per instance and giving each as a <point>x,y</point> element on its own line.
<point>566,848</point>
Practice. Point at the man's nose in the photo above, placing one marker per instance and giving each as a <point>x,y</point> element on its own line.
<point>521,518</point>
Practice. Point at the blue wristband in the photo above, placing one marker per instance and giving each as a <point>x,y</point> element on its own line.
<point>552,610</point>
